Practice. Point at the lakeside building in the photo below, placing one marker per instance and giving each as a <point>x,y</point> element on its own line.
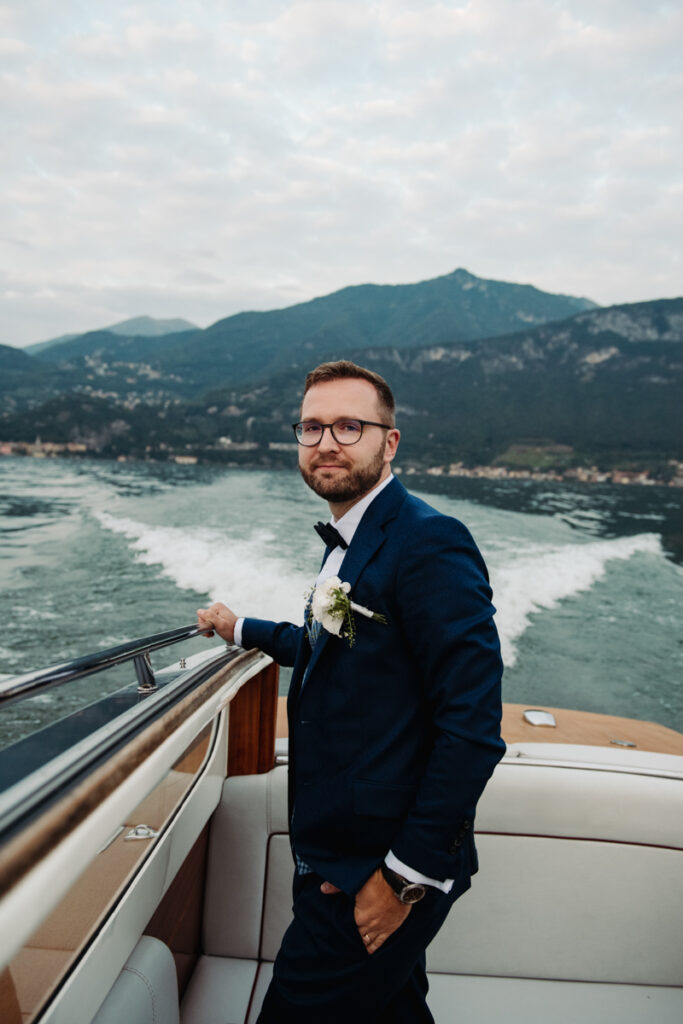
<point>576,474</point>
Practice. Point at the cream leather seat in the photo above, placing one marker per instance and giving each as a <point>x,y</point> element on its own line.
<point>146,991</point>
<point>573,915</point>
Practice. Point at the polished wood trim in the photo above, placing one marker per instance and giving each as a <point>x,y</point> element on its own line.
<point>587,728</point>
<point>251,736</point>
<point>177,921</point>
<point>35,842</point>
<point>40,966</point>
<point>584,728</point>
<point>10,1011</point>
<point>282,724</point>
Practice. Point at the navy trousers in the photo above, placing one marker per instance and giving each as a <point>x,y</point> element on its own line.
<point>323,972</point>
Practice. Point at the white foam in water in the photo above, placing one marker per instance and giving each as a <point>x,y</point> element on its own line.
<point>539,577</point>
<point>246,575</point>
<point>241,573</point>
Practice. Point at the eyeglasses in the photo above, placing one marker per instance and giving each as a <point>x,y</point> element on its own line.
<point>310,432</point>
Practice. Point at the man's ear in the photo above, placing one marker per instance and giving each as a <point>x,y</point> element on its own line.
<point>393,437</point>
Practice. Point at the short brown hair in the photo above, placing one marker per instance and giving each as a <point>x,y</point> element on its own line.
<point>344,369</point>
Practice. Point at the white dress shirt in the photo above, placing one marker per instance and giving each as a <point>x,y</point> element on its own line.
<point>347,526</point>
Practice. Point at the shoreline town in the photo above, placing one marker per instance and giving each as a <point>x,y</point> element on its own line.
<point>574,474</point>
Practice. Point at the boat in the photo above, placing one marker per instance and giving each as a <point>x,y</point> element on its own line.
<point>145,870</point>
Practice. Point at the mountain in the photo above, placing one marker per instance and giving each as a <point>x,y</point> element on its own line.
<point>150,327</point>
<point>41,346</point>
<point>103,349</point>
<point>638,322</point>
<point>23,379</point>
<point>251,346</point>
<point>138,326</point>
<point>458,306</point>
<point>603,383</point>
<point>12,359</point>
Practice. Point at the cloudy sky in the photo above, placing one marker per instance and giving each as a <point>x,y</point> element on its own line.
<point>197,158</point>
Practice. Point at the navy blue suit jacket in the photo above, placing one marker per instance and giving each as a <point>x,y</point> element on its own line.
<point>392,739</point>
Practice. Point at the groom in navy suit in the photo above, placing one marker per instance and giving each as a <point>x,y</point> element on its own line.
<point>394,725</point>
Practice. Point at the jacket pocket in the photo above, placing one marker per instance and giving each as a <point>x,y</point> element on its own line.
<point>382,799</point>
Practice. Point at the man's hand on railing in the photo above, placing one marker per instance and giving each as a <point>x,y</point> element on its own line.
<point>29,684</point>
<point>220,618</point>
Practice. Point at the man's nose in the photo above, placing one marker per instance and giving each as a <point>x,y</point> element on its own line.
<point>327,441</point>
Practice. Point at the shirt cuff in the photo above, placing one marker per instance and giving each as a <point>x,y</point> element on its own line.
<point>237,638</point>
<point>411,875</point>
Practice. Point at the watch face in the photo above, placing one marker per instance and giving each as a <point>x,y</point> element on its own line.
<point>412,893</point>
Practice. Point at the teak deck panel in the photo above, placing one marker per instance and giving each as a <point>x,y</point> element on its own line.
<point>585,728</point>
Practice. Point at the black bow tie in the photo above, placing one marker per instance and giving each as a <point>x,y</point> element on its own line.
<point>331,536</point>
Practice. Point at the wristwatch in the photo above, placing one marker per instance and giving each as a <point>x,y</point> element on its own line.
<point>405,891</point>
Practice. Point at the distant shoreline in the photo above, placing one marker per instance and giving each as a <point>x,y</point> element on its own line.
<point>270,459</point>
<point>577,474</point>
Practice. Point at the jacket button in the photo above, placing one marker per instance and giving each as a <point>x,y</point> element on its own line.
<point>455,847</point>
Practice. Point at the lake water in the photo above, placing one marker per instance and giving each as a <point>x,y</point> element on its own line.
<point>587,580</point>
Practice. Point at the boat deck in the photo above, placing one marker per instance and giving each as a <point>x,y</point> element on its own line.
<point>583,728</point>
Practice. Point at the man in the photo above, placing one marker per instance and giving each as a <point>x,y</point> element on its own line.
<point>394,727</point>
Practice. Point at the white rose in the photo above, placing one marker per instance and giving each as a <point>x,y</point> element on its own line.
<point>332,623</point>
<point>322,597</point>
<point>322,601</point>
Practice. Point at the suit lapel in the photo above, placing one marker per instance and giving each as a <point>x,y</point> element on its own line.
<point>368,538</point>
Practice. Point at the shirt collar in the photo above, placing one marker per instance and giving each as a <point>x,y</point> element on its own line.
<point>349,522</point>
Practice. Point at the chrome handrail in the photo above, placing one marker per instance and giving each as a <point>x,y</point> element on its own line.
<point>31,683</point>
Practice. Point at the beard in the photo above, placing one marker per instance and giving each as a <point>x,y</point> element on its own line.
<point>358,481</point>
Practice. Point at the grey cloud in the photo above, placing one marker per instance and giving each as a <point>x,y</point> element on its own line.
<point>248,156</point>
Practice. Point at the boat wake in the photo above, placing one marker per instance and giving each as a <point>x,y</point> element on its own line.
<point>538,577</point>
<point>248,575</point>
<point>243,573</point>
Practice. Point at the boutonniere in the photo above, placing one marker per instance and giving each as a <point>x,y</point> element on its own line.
<point>332,607</point>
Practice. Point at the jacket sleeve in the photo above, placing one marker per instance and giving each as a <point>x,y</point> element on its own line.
<point>447,615</point>
<point>278,639</point>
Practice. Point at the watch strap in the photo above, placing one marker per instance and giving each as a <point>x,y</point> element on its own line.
<point>405,891</point>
